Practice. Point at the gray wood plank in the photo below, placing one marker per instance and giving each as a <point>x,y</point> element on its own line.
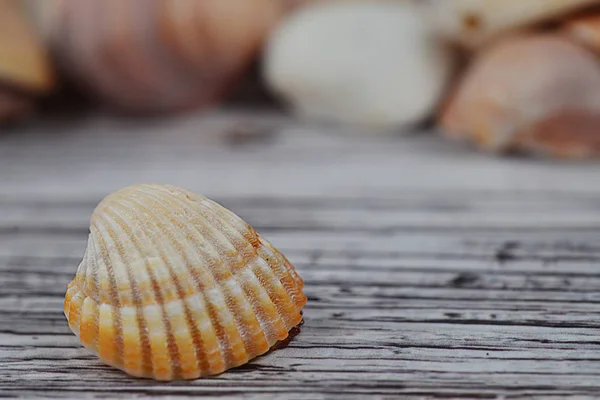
<point>431,271</point>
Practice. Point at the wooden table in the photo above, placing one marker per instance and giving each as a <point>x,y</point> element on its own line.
<point>432,271</point>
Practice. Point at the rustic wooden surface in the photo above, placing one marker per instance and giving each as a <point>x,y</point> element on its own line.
<point>431,271</point>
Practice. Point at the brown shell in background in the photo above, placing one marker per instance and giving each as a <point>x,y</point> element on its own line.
<point>536,93</point>
<point>476,23</point>
<point>13,105</point>
<point>585,30</point>
<point>25,69</point>
<point>157,56</point>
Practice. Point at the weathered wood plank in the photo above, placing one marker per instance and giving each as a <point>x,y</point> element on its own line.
<point>89,158</point>
<point>431,272</point>
<point>474,213</point>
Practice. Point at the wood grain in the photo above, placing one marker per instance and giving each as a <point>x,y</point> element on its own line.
<point>431,271</point>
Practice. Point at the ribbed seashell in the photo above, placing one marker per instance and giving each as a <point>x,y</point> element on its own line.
<point>174,286</point>
<point>157,56</point>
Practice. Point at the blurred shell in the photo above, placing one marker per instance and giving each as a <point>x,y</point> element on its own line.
<point>13,106</point>
<point>534,93</point>
<point>174,286</point>
<point>25,69</point>
<point>23,60</point>
<point>369,63</point>
<point>44,16</point>
<point>586,30</point>
<point>157,55</point>
<point>475,22</point>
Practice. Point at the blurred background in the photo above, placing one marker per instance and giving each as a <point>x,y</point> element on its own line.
<point>501,76</point>
<point>429,166</point>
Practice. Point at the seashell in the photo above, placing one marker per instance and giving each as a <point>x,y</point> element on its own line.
<point>585,30</point>
<point>174,286</point>
<point>44,16</point>
<point>25,68</point>
<point>14,105</point>
<point>390,73</point>
<point>157,56</point>
<point>537,93</point>
<point>473,23</point>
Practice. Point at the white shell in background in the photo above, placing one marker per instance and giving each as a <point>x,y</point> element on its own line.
<point>174,286</point>
<point>371,63</point>
<point>474,22</point>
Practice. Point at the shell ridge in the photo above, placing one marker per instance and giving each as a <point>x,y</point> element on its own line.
<point>280,268</point>
<point>237,223</point>
<point>234,273</point>
<point>115,305</point>
<point>94,290</point>
<point>67,303</point>
<point>158,296</point>
<point>260,284</point>
<point>137,301</point>
<point>74,313</point>
<point>226,348</point>
<point>285,271</point>
<point>202,287</point>
<point>86,331</point>
<point>231,221</point>
<point>289,306</point>
<point>195,336</point>
<point>90,284</point>
<point>287,284</point>
<point>67,306</point>
<point>296,284</point>
<point>82,271</point>
<point>289,266</point>
<point>90,279</point>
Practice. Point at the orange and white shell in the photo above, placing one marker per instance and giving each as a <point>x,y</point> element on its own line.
<point>174,286</point>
